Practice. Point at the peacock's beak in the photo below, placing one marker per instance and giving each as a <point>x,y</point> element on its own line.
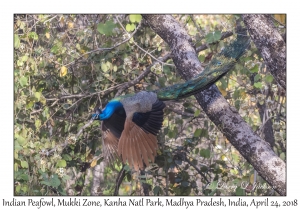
<point>96,116</point>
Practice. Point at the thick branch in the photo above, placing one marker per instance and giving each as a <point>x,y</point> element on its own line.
<point>270,44</point>
<point>228,120</point>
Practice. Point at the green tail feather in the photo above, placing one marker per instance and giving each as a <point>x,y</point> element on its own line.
<point>218,67</point>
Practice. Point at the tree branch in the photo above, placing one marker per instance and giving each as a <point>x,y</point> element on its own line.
<point>255,150</point>
<point>269,43</point>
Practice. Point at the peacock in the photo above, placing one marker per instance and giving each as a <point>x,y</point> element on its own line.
<point>131,122</point>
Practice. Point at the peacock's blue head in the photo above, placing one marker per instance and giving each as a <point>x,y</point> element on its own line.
<point>107,112</point>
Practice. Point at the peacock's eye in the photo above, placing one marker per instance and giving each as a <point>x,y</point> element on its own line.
<point>219,63</point>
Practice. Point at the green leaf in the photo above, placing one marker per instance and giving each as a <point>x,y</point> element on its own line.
<point>23,81</point>
<point>67,157</point>
<point>18,187</point>
<point>166,70</point>
<point>37,95</point>
<point>135,18</point>
<point>224,83</point>
<point>201,58</point>
<point>201,132</point>
<point>197,132</point>
<point>24,164</point>
<point>205,153</point>
<point>162,81</point>
<point>24,177</point>
<point>21,140</point>
<point>130,27</point>
<point>17,147</point>
<point>38,123</point>
<point>197,113</point>
<point>258,85</point>
<point>55,182</point>
<point>61,164</point>
<point>127,168</point>
<point>213,36</point>
<point>46,183</point>
<point>33,36</point>
<point>239,191</point>
<point>24,58</point>
<point>213,185</point>
<point>269,78</point>
<point>56,48</point>
<point>171,134</point>
<point>104,67</point>
<point>61,190</point>
<point>106,28</point>
<point>16,41</point>
<point>212,192</point>
<point>236,158</point>
<point>115,68</point>
<point>254,69</point>
<point>24,188</point>
<point>236,94</point>
<point>257,78</point>
<point>282,156</point>
<point>156,190</point>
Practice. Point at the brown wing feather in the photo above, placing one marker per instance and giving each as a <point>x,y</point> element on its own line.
<point>139,153</point>
<point>135,151</point>
<point>110,146</point>
<point>146,139</point>
<point>128,151</point>
<point>144,153</point>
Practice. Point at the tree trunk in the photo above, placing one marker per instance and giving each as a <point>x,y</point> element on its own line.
<point>270,44</point>
<point>98,179</point>
<point>251,146</point>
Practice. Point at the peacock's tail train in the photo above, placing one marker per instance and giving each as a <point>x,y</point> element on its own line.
<point>218,67</point>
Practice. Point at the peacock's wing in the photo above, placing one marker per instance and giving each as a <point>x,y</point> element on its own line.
<point>138,142</point>
<point>112,129</point>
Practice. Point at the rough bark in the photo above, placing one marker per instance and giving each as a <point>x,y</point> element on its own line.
<point>267,131</point>
<point>270,44</point>
<point>257,152</point>
<point>98,179</point>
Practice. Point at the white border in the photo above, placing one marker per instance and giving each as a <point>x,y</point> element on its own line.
<point>153,6</point>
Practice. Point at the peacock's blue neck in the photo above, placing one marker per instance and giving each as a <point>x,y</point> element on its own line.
<point>109,109</point>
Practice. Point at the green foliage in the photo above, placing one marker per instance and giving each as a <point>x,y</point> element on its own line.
<point>16,41</point>
<point>52,182</point>
<point>269,78</point>
<point>61,164</point>
<point>135,18</point>
<point>59,77</point>
<point>23,81</point>
<point>106,28</point>
<point>254,69</point>
<point>213,37</point>
<point>258,85</point>
<point>205,153</point>
<point>240,191</point>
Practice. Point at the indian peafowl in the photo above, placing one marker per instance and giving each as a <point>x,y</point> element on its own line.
<point>131,122</point>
